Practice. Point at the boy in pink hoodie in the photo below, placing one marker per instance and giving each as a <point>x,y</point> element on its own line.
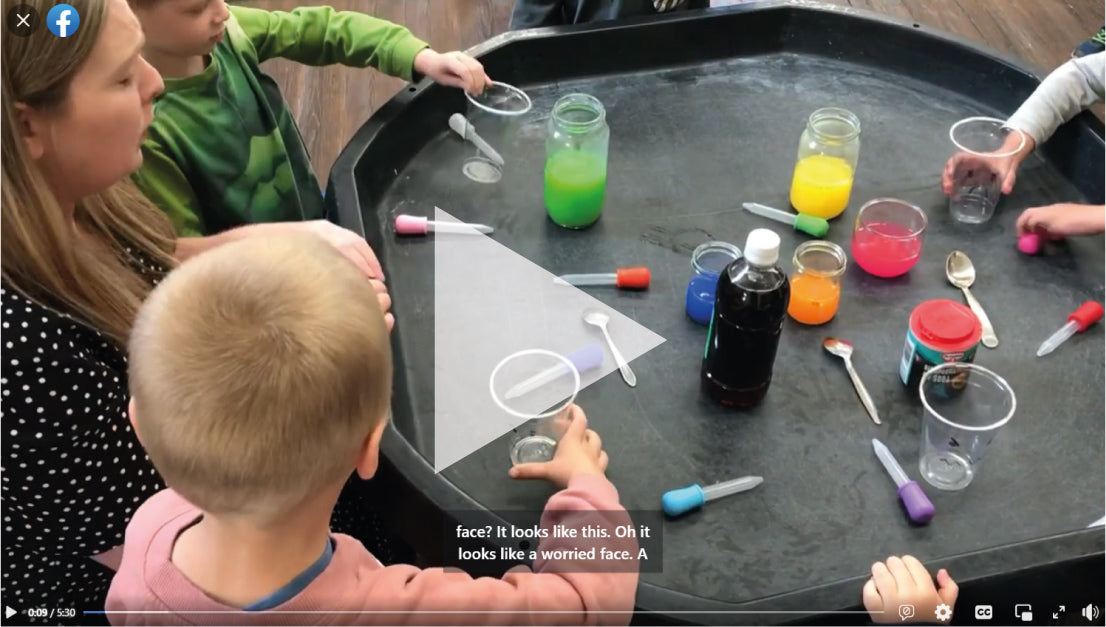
<point>261,374</point>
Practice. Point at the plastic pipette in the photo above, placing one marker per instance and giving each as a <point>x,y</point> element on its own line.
<point>683,500</point>
<point>1088,313</point>
<point>414,225</point>
<point>810,225</point>
<point>624,279</point>
<point>465,129</point>
<point>588,357</point>
<point>918,505</point>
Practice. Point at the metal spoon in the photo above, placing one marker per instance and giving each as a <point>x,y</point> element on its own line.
<point>600,319</point>
<point>961,273</point>
<point>844,350</point>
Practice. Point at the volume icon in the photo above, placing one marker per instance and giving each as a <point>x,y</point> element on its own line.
<point>1090,612</point>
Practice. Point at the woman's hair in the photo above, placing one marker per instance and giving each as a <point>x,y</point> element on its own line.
<point>90,271</point>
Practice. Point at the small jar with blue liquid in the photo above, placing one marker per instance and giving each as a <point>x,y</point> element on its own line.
<point>708,261</point>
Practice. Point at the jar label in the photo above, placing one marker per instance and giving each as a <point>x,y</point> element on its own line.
<point>710,335</point>
<point>907,359</point>
<point>917,358</point>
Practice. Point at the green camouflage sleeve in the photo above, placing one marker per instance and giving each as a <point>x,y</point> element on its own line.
<point>323,36</point>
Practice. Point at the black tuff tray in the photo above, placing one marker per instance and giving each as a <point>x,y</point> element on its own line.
<point>705,110</point>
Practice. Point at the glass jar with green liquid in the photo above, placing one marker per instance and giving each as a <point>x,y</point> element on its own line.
<point>576,161</point>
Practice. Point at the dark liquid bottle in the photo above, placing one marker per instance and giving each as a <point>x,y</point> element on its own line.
<point>749,308</point>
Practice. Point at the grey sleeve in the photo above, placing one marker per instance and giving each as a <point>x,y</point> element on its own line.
<point>1065,92</point>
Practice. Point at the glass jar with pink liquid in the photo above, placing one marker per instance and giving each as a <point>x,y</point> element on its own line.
<point>887,238</point>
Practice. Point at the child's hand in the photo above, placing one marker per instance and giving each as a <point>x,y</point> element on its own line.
<point>1005,167</point>
<point>350,244</point>
<point>579,451</point>
<point>901,582</point>
<point>1062,220</point>
<point>455,69</point>
<point>385,301</point>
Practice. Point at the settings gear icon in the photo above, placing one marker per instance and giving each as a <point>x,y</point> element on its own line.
<point>944,612</point>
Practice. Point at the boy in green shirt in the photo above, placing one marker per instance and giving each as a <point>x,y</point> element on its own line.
<point>223,149</point>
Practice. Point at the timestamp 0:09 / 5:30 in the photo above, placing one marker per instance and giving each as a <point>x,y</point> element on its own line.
<point>42,612</point>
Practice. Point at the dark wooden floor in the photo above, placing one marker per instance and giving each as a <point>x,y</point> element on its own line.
<point>331,103</point>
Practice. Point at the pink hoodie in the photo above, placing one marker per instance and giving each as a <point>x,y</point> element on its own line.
<point>355,589</point>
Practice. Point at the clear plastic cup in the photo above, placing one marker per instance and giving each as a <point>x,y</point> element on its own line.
<point>983,144</point>
<point>887,237</point>
<point>536,441</point>
<point>488,124</point>
<point>965,406</point>
<point>539,417</point>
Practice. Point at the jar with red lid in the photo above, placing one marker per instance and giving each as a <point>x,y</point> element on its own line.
<point>941,331</point>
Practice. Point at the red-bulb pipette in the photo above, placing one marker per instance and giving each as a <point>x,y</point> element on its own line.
<point>624,279</point>
<point>1088,313</point>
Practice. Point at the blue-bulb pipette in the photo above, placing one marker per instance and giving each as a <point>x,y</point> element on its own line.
<point>683,500</point>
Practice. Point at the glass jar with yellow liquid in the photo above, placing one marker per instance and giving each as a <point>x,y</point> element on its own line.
<point>828,152</point>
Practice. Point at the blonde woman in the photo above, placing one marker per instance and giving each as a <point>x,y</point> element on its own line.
<point>80,251</point>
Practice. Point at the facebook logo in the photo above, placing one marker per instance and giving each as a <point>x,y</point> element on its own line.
<point>62,20</point>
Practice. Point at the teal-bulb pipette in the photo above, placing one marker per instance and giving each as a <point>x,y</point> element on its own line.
<point>683,500</point>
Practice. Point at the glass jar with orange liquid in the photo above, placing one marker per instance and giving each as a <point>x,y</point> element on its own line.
<point>829,149</point>
<point>816,282</point>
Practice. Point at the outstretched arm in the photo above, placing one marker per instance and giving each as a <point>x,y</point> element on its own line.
<point>1065,92</point>
<point>323,36</point>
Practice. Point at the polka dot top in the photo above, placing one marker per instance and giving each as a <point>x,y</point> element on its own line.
<point>72,470</point>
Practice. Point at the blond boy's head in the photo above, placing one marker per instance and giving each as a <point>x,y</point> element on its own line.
<point>258,372</point>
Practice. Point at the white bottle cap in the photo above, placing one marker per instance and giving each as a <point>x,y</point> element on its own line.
<point>762,248</point>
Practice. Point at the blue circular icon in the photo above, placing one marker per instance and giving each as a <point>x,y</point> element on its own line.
<point>62,20</point>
